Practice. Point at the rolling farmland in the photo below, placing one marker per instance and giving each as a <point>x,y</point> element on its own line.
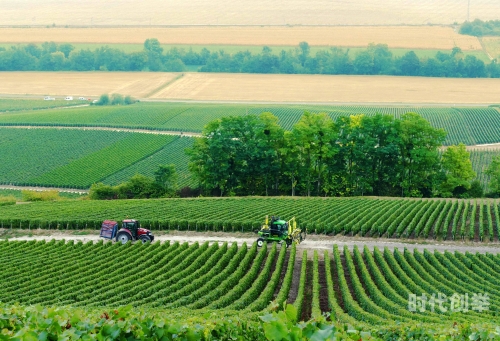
<point>475,219</point>
<point>257,87</point>
<point>71,158</point>
<point>411,37</point>
<point>468,125</point>
<point>243,12</point>
<point>358,287</point>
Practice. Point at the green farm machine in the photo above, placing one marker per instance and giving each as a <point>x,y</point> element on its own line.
<point>280,231</point>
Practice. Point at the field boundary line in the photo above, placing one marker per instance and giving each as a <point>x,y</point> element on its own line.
<point>36,188</point>
<point>163,86</point>
<point>117,129</point>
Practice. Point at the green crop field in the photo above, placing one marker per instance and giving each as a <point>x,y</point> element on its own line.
<point>72,158</point>
<point>481,159</point>
<point>361,287</point>
<point>172,153</point>
<point>7,105</point>
<point>476,219</point>
<point>468,125</point>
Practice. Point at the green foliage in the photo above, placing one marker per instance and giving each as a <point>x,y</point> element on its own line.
<point>103,100</point>
<point>40,195</point>
<point>494,172</point>
<point>7,200</point>
<point>458,168</point>
<point>481,28</point>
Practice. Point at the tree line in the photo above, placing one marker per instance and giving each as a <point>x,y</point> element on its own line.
<point>351,156</point>
<point>481,28</point>
<point>374,60</point>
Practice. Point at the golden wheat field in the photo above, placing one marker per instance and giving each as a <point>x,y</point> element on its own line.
<point>321,88</point>
<point>243,12</point>
<point>138,84</point>
<point>255,87</point>
<point>417,37</point>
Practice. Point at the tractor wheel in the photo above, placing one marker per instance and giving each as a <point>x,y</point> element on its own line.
<point>123,237</point>
<point>145,239</point>
<point>260,242</point>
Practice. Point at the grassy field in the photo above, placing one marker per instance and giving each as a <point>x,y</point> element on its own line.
<point>408,37</point>
<point>192,117</point>
<point>492,45</point>
<point>244,12</point>
<point>77,84</point>
<point>475,219</point>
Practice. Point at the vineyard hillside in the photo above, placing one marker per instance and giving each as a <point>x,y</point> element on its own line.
<point>475,219</point>
<point>72,158</point>
<point>360,287</point>
<point>467,125</point>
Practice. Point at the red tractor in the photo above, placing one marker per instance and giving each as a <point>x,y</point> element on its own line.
<point>131,230</point>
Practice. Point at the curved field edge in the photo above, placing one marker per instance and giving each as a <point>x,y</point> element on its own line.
<point>441,219</point>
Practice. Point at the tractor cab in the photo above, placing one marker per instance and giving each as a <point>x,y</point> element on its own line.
<point>280,231</point>
<point>278,227</point>
<point>131,230</point>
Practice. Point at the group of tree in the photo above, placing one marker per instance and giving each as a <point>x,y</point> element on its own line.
<point>374,60</point>
<point>481,28</point>
<point>164,184</point>
<point>356,155</point>
<point>115,99</point>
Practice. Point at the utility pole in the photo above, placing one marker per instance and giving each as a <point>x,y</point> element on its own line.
<point>468,10</point>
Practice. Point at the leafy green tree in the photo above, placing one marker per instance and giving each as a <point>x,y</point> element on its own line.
<point>66,49</point>
<point>138,187</point>
<point>154,52</point>
<point>310,142</point>
<point>458,169</point>
<point>231,158</point>
<point>494,173</point>
<point>100,191</point>
<point>103,100</point>
<point>166,178</point>
<point>418,152</point>
<point>82,60</point>
<point>410,64</point>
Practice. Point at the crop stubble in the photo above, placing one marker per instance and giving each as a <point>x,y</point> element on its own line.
<point>244,12</point>
<point>321,88</point>
<point>138,84</point>
<point>419,37</point>
<point>256,87</point>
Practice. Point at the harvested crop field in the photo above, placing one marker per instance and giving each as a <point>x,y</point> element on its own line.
<point>138,84</point>
<point>331,89</point>
<point>416,37</point>
<point>243,12</point>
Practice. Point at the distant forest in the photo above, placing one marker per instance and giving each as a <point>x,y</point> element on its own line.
<point>374,60</point>
<point>481,28</point>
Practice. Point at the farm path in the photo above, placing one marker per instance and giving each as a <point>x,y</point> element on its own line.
<point>128,130</point>
<point>313,242</point>
<point>31,188</point>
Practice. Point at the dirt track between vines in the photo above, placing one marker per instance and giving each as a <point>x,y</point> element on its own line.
<point>313,242</point>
